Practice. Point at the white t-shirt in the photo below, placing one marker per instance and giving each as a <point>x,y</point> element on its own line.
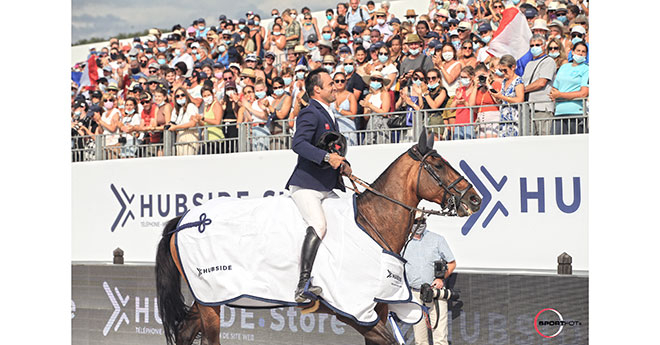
<point>184,114</point>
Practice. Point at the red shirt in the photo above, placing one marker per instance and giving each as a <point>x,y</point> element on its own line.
<point>463,115</point>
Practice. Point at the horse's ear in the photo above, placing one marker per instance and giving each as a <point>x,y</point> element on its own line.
<point>429,141</point>
<point>423,142</point>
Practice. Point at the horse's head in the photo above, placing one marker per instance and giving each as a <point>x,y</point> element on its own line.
<point>439,182</point>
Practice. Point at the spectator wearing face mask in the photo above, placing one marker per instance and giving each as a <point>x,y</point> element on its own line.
<point>487,114</point>
<point>571,82</point>
<point>538,77</point>
<point>578,34</point>
<point>381,24</point>
<point>275,43</point>
<point>109,125</point>
<point>280,102</point>
<point>450,69</point>
<point>461,101</point>
<point>292,31</point>
<point>377,101</point>
<point>556,51</point>
<point>184,116</point>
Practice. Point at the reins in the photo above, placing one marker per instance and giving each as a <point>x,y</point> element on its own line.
<point>447,211</point>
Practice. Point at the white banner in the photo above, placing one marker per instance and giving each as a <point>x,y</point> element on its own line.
<point>534,191</point>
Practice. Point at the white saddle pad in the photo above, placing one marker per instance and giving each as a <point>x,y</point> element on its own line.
<point>246,253</point>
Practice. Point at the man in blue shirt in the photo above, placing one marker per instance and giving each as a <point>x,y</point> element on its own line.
<point>422,251</point>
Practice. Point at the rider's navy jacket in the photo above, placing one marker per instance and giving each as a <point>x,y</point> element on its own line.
<point>310,171</point>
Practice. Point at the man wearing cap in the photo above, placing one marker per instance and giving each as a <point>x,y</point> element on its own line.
<point>202,30</point>
<point>485,35</point>
<point>316,174</point>
<point>464,30</point>
<point>415,58</point>
<point>537,78</point>
<point>578,33</point>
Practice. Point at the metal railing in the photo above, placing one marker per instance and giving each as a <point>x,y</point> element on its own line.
<point>359,130</point>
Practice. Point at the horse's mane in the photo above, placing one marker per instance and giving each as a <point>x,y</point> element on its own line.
<point>379,183</point>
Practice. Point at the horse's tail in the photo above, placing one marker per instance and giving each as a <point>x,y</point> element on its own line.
<point>171,304</point>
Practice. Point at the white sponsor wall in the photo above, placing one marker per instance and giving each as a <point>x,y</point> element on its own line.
<point>538,207</point>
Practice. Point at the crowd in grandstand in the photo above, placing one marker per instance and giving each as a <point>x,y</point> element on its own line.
<point>237,70</point>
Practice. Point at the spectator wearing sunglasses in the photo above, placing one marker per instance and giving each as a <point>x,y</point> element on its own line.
<point>496,9</point>
<point>538,77</point>
<point>556,51</point>
<point>109,124</point>
<point>344,108</point>
<point>578,34</point>
<point>511,92</point>
<point>467,57</point>
<point>381,24</point>
<point>185,115</point>
<point>571,82</point>
<point>377,101</point>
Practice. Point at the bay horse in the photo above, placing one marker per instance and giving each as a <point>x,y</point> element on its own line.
<point>386,211</point>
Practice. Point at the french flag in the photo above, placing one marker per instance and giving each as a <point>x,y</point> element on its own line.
<point>512,36</point>
<point>89,75</point>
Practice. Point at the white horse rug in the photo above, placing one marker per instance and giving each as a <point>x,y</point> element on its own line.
<point>246,253</point>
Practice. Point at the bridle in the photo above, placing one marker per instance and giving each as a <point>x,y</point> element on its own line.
<point>456,195</point>
<point>450,208</point>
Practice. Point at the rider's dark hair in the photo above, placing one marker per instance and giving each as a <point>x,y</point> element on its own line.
<point>314,79</point>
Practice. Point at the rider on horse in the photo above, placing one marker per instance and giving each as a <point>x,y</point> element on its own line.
<point>317,172</point>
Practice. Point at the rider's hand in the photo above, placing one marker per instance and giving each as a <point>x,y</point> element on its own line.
<point>335,160</point>
<point>345,169</point>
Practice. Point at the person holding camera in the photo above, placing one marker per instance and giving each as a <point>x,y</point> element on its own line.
<point>429,262</point>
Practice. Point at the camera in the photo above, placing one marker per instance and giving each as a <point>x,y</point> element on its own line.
<point>427,293</point>
<point>167,126</point>
<point>482,79</point>
<point>122,140</point>
<point>439,269</point>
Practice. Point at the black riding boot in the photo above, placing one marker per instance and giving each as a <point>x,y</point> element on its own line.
<point>309,248</point>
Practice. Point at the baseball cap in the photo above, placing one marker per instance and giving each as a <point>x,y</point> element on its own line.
<point>464,26</point>
<point>345,49</point>
<point>394,20</point>
<point>579,29</point>
<point>251,57</point>
<point>312,38</point>
<point>222,17</point>
<point>484,27</point>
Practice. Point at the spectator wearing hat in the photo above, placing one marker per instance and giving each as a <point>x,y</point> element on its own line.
<point>570,85</point>
<point>578,34</point>
<point>377,101</point>
<point>255,35</point>
<point>485,34</point>
<point>344,108</point>
<point>540,27</point>
<point>385,65</point>
<point>556,30</point>
<point>464,30</point>
<point>292,31</point>
<point>411,16</point>
<point>435,7</point>
<point>537,79</point>
<point>280,102</point>
<point>414,60</point>
<point>245,41</point>
<point>381,24</point>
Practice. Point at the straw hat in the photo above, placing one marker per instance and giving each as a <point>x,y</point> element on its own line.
<point>540,24</point>
<point>375,74</point>
<point>410,13</point>
<point>412,38</point>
